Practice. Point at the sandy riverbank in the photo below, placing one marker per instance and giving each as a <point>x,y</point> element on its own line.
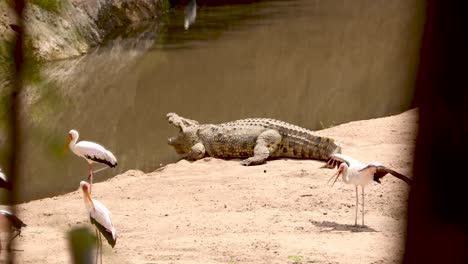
<point>217,211</point>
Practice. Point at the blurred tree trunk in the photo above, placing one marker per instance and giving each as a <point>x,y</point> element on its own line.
<point>14,132</point>
<point>436,231</point>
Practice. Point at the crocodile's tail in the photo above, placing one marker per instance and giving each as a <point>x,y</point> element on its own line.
<point>322,148</point>
<point>308,146</point>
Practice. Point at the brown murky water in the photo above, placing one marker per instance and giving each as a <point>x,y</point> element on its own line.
<point>311,63</point>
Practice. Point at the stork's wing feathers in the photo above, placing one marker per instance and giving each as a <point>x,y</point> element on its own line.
<point>101,160</point>
<point>112,158</point>
<point>97,153</point>
<point>335,160</point>
<point>398,175</point>
<point>381,171</point>
<point>102,216</point>
<point>111,239</point>
<point>15,221</point>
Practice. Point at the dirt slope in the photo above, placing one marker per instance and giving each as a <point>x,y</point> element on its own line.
<point>217,211</point>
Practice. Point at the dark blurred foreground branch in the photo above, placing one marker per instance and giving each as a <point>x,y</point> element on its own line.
<point>14,125</point>
<point>436,231</point>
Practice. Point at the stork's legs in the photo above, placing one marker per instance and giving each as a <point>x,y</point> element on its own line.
<point>90,176</point>
<point>18,232</point>
<point>362,205</point>
<point>100,247</point>
<point>357,205</point>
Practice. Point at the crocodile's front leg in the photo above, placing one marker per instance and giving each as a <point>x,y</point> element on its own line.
<point>196,152</point>
<point>267,143</point>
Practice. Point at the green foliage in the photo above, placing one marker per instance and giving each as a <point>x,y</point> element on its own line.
<point>7,63</point>
<point>82,243</point>
<point>53,6</point>
<point>296,259</point>
<point>166,4</point>
<point>32,70</point>
<point>232,260</point>
<point>7,73</point>
<point>5,104</point>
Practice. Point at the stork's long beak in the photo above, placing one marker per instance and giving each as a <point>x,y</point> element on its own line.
<point>67,144</point>
<point>88,196</point>
<point>336,175</point>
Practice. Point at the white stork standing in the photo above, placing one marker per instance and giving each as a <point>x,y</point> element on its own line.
<point>90,151</point>
<point>360,174</point>
<point>4,183</point>
<point>8,223</point>
<point>100,217</point>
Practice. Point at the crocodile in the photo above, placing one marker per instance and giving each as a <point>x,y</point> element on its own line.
<point>255,139</point>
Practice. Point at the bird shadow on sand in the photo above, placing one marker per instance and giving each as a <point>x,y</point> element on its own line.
<point>327,226</point>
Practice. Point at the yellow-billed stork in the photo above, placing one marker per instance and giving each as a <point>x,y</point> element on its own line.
<point>100,217</point>
<point>91,152</point>
<point>10,223</point>
<point>4,183</point>
<point>360,174</point>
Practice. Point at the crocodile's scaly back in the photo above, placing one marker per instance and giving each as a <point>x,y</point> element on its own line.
<point>296,142</point>
<point>252,138</point>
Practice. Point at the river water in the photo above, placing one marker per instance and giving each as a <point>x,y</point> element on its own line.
<point>313,63</point>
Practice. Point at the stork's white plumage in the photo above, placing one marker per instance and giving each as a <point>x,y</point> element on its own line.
<point>360,174</point>
<point>90,151</point>
<point>4,183</point>
<point>100,217</point>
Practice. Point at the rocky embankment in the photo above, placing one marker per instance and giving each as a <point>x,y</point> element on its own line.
<point>59,29</point>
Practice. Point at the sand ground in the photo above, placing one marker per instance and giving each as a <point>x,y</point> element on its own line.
<point>217,211</point>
